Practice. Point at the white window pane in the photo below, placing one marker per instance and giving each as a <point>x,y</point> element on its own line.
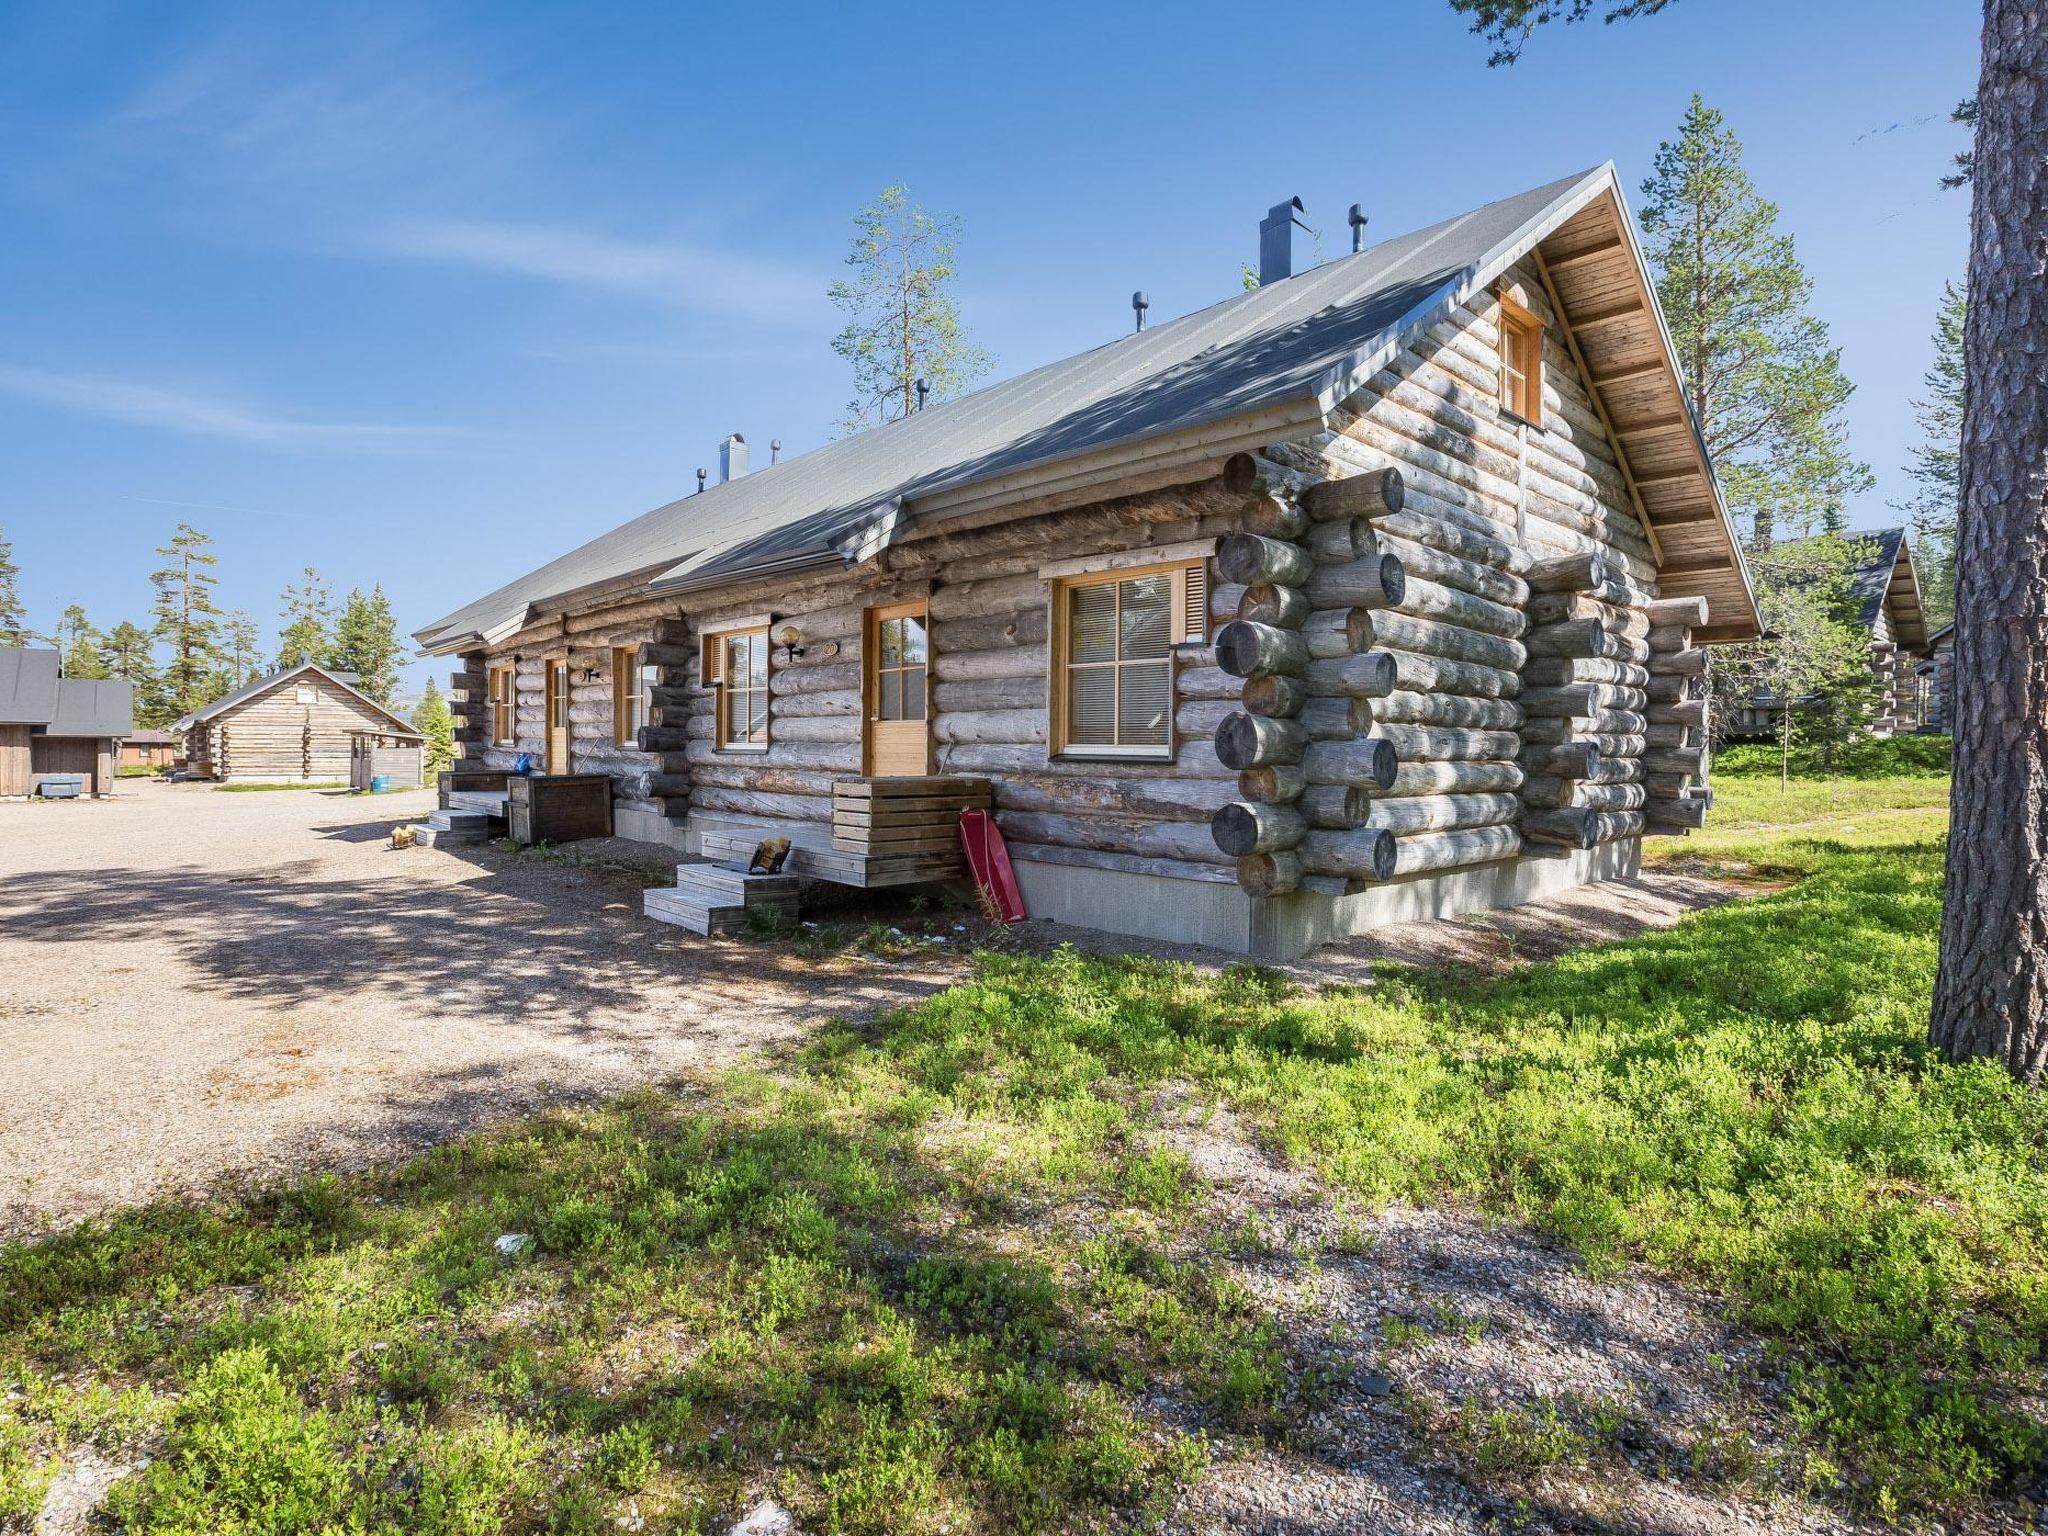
<point>1091,706</point>
<point>913,642</point>
<point>1091,623</point>
<point>757,713</point>
<point>913,693</point>
<point>757,660</point>
<point>1147,619</point>
<point>890,633</point>
<point>1144,705</point>
<point>735,714</point>
<point>890,705</point>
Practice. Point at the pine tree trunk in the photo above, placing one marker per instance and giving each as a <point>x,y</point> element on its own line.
<point>1991,992</point>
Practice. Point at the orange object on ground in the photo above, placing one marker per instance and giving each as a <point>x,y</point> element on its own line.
<point>988,860</point>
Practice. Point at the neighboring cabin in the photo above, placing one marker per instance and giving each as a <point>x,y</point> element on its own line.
<point>1936,674</point>
<point>303,723</point>
<point>149,749</point>
<point>1885,592</point>
<point>59,725</point>
<point>1374,592</point>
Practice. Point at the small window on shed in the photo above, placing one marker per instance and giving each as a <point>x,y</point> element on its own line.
<point>1521,362</point>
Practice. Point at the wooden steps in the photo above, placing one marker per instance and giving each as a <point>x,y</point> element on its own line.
<point>720,898</point>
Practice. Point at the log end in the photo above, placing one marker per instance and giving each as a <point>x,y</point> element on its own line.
<point>1240,474</point>
<point>1386,762</point>
<point>1393,580</point>
<point>1393,489</point>
<point>1269,874</point>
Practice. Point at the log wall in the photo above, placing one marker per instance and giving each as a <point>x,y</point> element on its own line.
<point>277,736</point>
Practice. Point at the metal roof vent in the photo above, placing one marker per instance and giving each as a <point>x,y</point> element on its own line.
<point>774,451</point>
<point>1276,240</point>
<point>1357,218</point>
<point>1139,304</point>
<point>732,458</point>
<point>923,392</point>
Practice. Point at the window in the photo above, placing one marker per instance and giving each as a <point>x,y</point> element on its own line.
<point>501,706</point>
<point>736,664</point>
<point>1521,362</point>
<point>1113,639</point>
<point>631,697</point>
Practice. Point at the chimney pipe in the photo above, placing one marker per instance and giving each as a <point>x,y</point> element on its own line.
<point>732,458</point>
<point>774,451</point>
<point>923,389</point>
<point>1139,304</point>
<point>702,476</point>
<point>1357,217</point>
<point>1276,240</point>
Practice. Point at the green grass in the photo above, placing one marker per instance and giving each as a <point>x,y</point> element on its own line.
<point>258,789</point>
<point>1867,758</point>
<point>934,1271</point>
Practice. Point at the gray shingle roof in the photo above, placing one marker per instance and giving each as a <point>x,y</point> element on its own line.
<point>1309,339</point>
<point>28,687</point>
<point>93,707</point>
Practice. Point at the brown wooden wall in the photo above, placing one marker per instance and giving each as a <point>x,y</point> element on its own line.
<point>14,760</point>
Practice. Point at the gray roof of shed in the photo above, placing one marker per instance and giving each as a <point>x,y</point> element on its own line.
<point>1312,338</point>
<point>28,686</point>
<point>94,707</point>
<point>227,701</point>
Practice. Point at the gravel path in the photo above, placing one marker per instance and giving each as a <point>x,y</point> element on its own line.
<point>197,985</point>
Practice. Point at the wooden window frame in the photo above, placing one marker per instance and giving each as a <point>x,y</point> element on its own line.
<point>501,694</point>
<point>1189,577</point>
<point>1521,394</point>
<point>631,707</point>
<point>712,661</point>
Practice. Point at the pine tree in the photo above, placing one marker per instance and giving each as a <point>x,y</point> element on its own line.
<point>240,644</point>
<point>13,616</point>
<point>1507,24</point>
<point>308,613</point>
<point>903,324</point>
<point>81,647</point>
<point>131,653</point>
<point>366,643</point>
<point>432,718</point>
<point>187,619</point>
<point>1936,463</point>
<point>1765,383</point>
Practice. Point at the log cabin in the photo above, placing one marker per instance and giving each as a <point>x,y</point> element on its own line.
<point>1885,603</point>
<point>1935,675</point>
<point>1379,591</point>
<point>52,725</point>
<point>301,723</point>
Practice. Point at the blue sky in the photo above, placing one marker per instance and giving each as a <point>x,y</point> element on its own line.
<point>428,294</point>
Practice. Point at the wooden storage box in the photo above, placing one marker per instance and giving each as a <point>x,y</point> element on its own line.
<point>908,815</point>
<point>462,781</point>
<point>558,808</point>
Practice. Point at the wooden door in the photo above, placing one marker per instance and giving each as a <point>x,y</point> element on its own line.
<point>558,715</point>
<point>896,735</point>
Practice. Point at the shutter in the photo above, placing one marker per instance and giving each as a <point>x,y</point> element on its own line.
<point>1194,603</point>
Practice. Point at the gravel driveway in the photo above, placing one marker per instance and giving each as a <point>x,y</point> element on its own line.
<point>196,985</point>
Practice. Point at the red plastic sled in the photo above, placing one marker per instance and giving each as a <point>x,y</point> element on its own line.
<point>988,860</point>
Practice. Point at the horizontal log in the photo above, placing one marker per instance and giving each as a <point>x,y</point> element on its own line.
<point>1683,760</point>
<point>1340,543</point>
<point>990,725</point>
<point>1365,853</point>
<point>1189,840</point>
<point>1426,851</point>
<point>1269,874</point>
<point>1191,759</point>
<point>1671,735</point>
<point>1281,607</point>
<point>1680,712</point>
<point>1251,741</point>
<point>1373,494</point>
<point>1433,600</point>
<point>1248,649</point>
<point>1454,778</point>
<point>1406,814</point>
<point>1472,576</point>
<point>1567,573</point>
<point>1573,638</point>
<point>1363,675</point>
<point>1024,626</point>
<point>833,677</point>
<point>1561,671</point>
<point>1246,827</point>
<point>1675,813</point>
<point>1561,607</point>
<point>1279,697</point>
<point>1171,799</point>
<point>1408,708</point>
<point>1606,723</point>
<point>1337,807</point>
<point>1546,790</point>
<point>1435,743</point>
<point>1274,515</point>
<point>1375,581</point>
<point>989,693</point>
<point>1273,783</point>
<point>772,778</point>
<point>1691,663</point>
<point>1251,558</point>
<point>1467,543</point>
<point>745,802</point>
<point>833,728</point>
<point>1570,759</point>
<point>1195,683</point>
<point>1677,612</point>
<point>1369,762</point>
<point>973,666</point>
<point>1370,628</point>
<point>1580,700</point>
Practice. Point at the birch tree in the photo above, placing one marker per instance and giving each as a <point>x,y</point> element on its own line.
<point>902,321</point>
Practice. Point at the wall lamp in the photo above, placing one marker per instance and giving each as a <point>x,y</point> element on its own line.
<point>790,638</point>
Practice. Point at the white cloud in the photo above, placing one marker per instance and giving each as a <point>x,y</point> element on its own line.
<point>682,276</point>
<point>171,410</point>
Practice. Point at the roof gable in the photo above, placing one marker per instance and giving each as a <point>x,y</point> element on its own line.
<point>96,707</point>
<point>28,686</point>
<point>262,685</point>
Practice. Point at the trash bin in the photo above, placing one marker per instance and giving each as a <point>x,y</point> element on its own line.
<point>379,783</point>
<point>60,786</point>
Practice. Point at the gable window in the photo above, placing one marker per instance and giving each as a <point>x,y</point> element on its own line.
<point>1113,639</point>
<point>500,703</point>
<point>630,695</point>
<point>1521,362</point>
<point>736,665</point>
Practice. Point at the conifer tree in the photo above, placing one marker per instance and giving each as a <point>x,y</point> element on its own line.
<point>432,718</point>
<point>187,618</point>
<point>366,643</point>
<point>308,615</point>
<point>902,321</point>
<point>130,651</point>
<point>240,648</point>
<point>13,616</point>
<point>80,647</point>
<point>1935,463</point>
